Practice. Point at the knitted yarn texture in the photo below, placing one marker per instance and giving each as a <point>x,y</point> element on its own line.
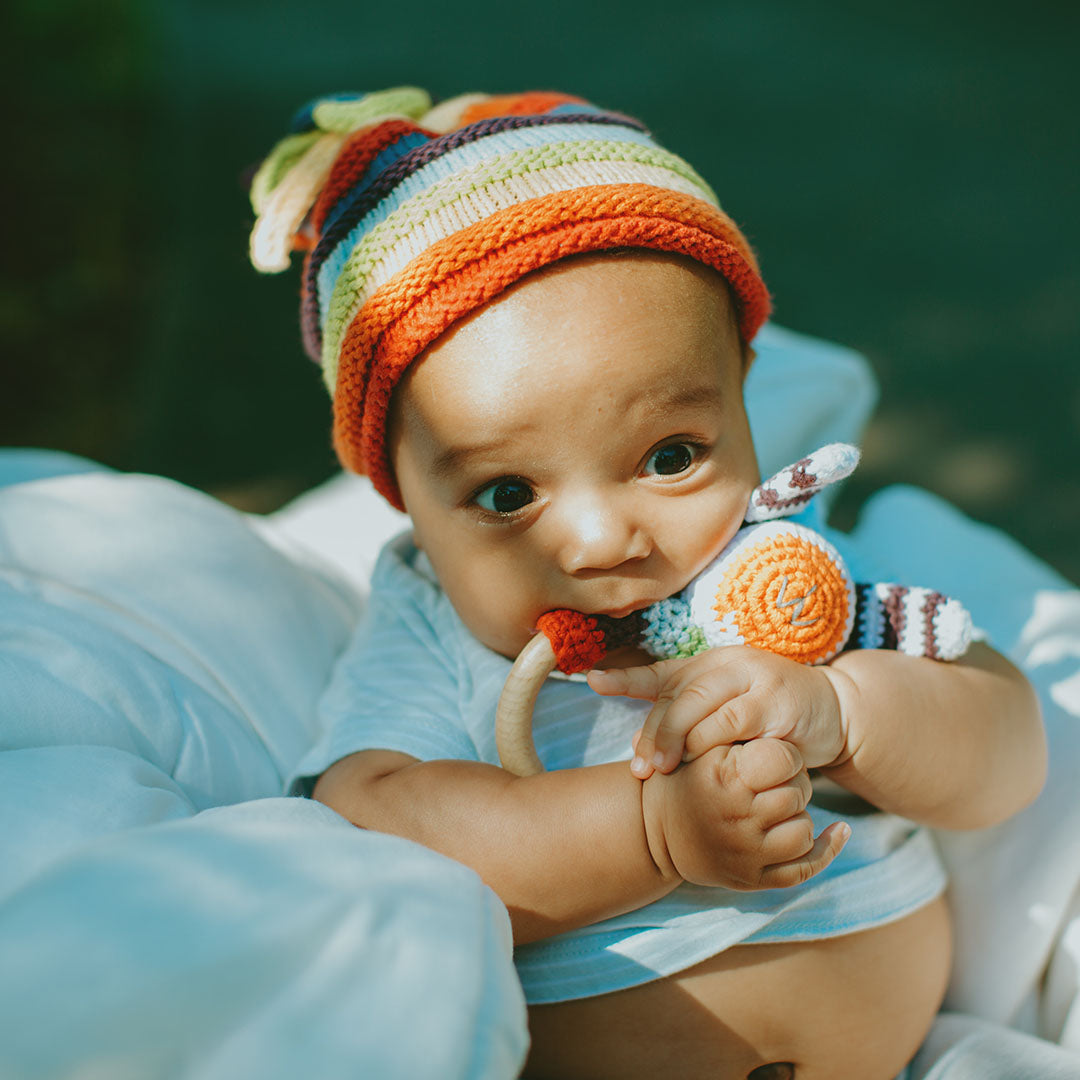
<point>412,216</point>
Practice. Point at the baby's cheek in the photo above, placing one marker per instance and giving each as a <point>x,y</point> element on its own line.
<point>503,628</point>
<point>713,535</point>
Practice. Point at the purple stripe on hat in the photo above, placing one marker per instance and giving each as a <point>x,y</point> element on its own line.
<point>362,197</point>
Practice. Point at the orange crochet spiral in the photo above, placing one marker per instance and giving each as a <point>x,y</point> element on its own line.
<point>790,598</point>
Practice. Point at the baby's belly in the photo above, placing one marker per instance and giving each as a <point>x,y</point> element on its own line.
<point>855,1007</point>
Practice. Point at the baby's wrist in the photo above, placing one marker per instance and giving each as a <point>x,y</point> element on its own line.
<point>840,687</point>
<point>655,794</point>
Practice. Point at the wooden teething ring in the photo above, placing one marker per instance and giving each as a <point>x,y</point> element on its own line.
<point>514,714</point>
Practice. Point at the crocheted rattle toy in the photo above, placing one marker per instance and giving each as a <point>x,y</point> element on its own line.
<point>777,585</point>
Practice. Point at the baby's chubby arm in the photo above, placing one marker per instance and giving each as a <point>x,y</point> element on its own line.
<point>568,848</point>
<point>956,745</point>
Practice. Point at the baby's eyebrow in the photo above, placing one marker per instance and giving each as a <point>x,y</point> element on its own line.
<point>683,397</point>
<point>453,459</point>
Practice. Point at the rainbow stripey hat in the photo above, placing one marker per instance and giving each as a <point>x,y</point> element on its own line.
<point>412,216</point>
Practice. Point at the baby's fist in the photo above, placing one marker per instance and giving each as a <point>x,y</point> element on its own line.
<point>736,817</point>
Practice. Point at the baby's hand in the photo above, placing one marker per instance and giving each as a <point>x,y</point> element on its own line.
<point>736,817</point>
<point>724,696</point>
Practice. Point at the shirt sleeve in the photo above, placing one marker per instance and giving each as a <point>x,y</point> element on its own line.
<point>396,686</point>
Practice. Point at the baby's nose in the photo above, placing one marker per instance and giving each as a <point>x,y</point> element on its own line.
<point>601,535</point>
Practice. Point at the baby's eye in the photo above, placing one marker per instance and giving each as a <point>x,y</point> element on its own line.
<point>669,460</point>
<point>504,496</point>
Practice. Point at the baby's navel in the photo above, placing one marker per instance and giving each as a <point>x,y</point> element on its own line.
<point>776,1070</point>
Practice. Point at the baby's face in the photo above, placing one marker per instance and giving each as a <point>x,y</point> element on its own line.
<point>580,442</point>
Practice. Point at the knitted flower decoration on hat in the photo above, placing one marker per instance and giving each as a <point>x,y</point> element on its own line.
<point>413,216</point>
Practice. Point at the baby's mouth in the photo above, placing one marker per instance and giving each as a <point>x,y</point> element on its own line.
<point>623,612</point>
<point>637,607</point>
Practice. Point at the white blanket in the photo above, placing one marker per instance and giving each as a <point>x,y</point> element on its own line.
<point>164,912</point>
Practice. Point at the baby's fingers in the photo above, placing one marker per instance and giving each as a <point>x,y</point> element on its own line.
<point>644,682</point>
<point>785,801</point>
<point>713,705</point>
<point>826,847</point>
<point>698,712</point>
<point>764,763</point>
<point>661,684</point>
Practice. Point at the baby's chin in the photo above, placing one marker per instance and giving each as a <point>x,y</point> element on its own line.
<point>508,643</point>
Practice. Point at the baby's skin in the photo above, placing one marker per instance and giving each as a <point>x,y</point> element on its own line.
<point>581,442</point>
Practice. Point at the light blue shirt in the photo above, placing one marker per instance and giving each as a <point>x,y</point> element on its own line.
<point>416,681</point>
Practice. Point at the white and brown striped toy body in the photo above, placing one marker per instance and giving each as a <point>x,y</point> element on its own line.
<point>911,620</point>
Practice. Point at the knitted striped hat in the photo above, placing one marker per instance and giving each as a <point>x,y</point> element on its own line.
<point>413,216</point>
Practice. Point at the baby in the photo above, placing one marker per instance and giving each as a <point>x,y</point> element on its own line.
<point>535,324</point>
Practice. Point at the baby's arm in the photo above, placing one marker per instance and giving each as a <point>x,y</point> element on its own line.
<point>955,745</point>
<point>567,848</point>
<point>958,745</point>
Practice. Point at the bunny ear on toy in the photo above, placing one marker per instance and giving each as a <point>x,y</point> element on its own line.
<point>793,487</point>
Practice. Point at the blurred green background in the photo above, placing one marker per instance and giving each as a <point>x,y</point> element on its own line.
<point>907,174</point>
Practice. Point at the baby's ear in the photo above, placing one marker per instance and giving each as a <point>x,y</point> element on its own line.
<point>793,487</point>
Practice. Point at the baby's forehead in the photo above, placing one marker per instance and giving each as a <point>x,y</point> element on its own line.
<point>617,294</point>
